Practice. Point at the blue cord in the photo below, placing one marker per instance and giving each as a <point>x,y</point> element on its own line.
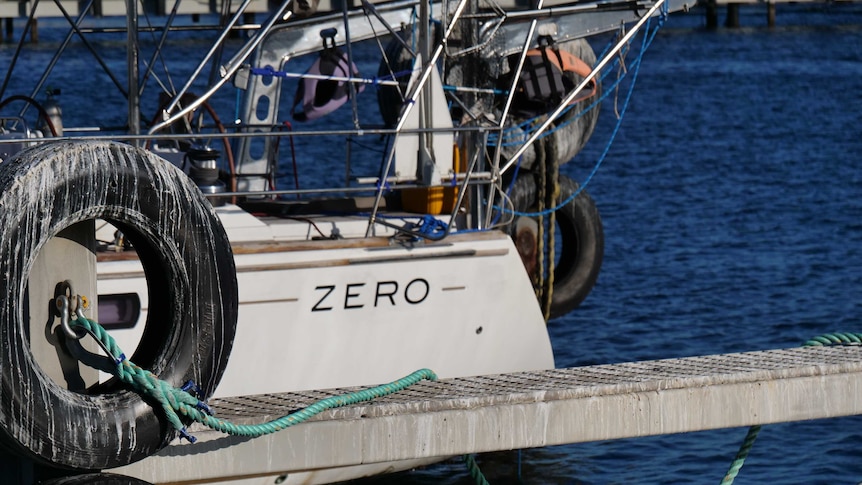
<point>647,40</point>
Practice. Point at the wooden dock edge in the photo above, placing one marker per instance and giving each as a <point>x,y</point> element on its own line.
<point>526,410</point>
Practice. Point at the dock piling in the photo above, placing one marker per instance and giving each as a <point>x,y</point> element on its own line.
<point>711,14</point>
<point>732,20</point>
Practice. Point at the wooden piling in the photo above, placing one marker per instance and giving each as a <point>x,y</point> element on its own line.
<point>732,19</point>
<point>711,14</point>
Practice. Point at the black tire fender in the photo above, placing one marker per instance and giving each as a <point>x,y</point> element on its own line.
<point>95,479</point>
<point>190,271</point>
<point>583,241</point>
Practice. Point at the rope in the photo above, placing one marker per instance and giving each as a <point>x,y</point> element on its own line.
<point>838,338</point>
<point>541,199</point>
<point>741,455</point>
<point>647,41</point>
<point>176,402</point>
<point>517,134</point>
<point>431,226</point>
<point>473,468</point>
<point>553,193</point>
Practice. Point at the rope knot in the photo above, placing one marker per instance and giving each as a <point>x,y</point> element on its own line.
<point>185,400</point>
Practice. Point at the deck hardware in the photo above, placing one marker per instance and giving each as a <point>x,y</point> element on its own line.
<point>62,303</point>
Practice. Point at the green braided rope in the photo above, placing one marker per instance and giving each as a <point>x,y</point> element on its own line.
<point>741,455</point>
<point>174,401</point>
<point>837,338</point>
<point>303,414</point>
<point>475,472</point>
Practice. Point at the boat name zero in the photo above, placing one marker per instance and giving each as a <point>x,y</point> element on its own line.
<point>415,292</point>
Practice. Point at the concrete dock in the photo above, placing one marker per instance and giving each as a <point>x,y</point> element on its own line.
<point>524,410</point>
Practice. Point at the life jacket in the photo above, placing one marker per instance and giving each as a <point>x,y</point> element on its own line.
<point>548,76</point>
<point>319,97</point>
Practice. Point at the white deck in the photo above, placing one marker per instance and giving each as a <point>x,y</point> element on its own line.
<point>524,410</point>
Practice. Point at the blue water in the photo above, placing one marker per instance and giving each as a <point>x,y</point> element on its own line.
<point>732,210</point>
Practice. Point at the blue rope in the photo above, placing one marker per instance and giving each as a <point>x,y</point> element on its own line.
<point>527,124</point>
<point>430,226</point>
<point>647,41</point>
<point>520,132</point>
<point>514,135</point>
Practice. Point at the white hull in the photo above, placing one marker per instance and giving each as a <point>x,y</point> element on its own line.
<point>335,313</point>
<point>339,313</point>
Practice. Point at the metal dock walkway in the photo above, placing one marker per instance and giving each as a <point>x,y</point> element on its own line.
<point>524,410</point>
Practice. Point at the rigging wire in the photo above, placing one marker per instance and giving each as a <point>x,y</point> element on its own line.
<point>647,40</point>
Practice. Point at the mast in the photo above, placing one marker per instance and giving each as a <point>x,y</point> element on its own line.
<point>426,173</point>
<point>132,66</point>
